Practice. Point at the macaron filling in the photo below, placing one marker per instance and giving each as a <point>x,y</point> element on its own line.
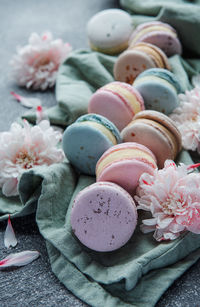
<point>103,121</point>
<point>124,154</point>
<point>101,128</point>
<point>126,96</point>
<point>153,53</point>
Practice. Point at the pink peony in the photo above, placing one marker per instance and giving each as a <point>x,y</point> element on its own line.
<point>26,147</point>
<point>36,64</point>
<point>172,195</point>
<point>187,119</point>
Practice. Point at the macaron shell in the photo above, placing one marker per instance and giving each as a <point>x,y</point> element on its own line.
<point>109,31</point>
<point>83,146</point>
<point>130,64</point>
<point>125,173</point>
<point>165,37</point>
<point>163,74</point>
<point>103,216</point>
<point>111,106</point>
<point>168,43</point>
<point>153,137</point>
<point>96,118</point>
<point>157,95</point>
<point>149,24</point>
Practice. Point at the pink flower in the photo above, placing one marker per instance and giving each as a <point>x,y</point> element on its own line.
<point>187,119</point>
<point>26,147</point>
<point>36,64</point>
<point>172,195</point>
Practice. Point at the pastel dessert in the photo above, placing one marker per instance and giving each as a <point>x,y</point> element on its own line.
<point>123,164</point>
<point>86,140</point>
<point>109,31</point>
<point>157,33</point>
<point>118,101</point>
<point>136,59</point>
<point>103,216</point>
<point>159,89</point>
<point>157,132</point>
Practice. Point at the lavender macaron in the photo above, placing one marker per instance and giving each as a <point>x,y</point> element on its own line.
<point>157,33</point>
<point>103,216</point>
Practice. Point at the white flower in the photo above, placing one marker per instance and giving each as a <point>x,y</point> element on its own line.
<point>36,64</point>
<point>24,147</point>
<point>187,119</point>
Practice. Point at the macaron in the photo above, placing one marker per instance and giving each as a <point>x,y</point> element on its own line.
<point>159,89</point>
<point>123,164</point>
<point>156,131</point>
<point>118,101</point>
<point>138,58</point>
<point>103,216</point>
<point>109,31</point>
<point>157,33</point>
<point>87,139</point>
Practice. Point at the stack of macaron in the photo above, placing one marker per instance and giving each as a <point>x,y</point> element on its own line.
<point>104,214</point>
<point>127,131</point>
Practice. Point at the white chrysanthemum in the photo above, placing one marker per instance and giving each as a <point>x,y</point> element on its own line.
<point>187,119</point>
<point>36,64</point>
<point>25,147</point>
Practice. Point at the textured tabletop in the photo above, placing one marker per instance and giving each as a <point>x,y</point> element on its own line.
<point>35,284</point>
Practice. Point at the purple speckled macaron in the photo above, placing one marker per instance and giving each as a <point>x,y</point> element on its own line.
<point>103,216</point>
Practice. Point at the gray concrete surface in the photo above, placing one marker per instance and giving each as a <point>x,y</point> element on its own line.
<point>35,284</point>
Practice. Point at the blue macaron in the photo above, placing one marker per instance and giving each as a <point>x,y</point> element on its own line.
<point>159,89</point>
<point>87,139</point>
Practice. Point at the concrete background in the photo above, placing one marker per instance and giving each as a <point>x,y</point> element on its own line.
<point>35,284</point>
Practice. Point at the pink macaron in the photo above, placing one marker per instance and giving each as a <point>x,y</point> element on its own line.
<point>103,216</point>
<point>157,33</point>
<point>137,59</point>
<point>118,101</point>
<point>124,163</point>
<point>156,131</point>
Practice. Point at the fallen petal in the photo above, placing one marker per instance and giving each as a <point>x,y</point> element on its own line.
<point>40,115</point>
<point>193,166</point>
<point>9,237</point>
<point>19,259</point>
<point>27,102</point>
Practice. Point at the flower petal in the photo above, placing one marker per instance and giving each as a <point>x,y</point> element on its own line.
<point>10,187</point>
<point>9,236</point>
<point>146,229</point>
<point>19,259</point>
<point>27,101</point>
